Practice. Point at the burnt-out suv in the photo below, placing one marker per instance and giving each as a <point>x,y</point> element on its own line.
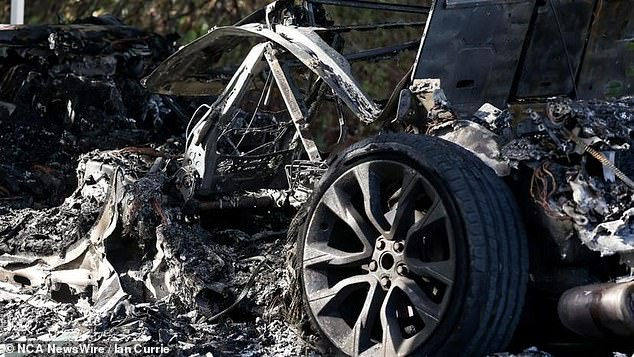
<point>500,162</point>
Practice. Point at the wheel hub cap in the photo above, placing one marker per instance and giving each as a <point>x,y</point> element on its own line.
<point>388,262</point>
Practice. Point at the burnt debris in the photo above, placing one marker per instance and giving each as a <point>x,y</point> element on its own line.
<point>132,222</point>
<point>95,243</point>
<point>578,158</point>
<point>69,89</point>
<point>121,261</point>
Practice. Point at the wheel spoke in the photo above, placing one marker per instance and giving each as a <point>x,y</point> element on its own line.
<point>411,343</point>
<point>442,271</point>
<point>428,310</point>
<point>360,335</point>
<point>392,337</point>
<point>404,217</point>
<point>370,184</point>
<point>339,203</point>
<point>435,213</point>
<point>339,291</point>
<point>321,254</point>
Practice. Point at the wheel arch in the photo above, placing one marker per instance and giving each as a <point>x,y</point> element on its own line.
<point>175,75</point>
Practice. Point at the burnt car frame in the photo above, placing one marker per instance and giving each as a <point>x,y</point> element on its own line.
<point>410,244</point>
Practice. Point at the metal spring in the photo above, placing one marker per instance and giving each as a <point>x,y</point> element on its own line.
<point>603,160</point>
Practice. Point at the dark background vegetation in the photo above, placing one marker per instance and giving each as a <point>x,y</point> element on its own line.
<point>188,18</point>
<point>193,18</point>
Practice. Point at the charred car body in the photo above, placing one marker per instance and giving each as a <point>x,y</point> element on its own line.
<point>413,242</point>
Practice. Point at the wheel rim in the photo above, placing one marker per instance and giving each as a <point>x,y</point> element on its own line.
<point>379,259</point>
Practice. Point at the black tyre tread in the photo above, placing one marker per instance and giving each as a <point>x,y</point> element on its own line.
<point>490,213</point>
<point>503,227</point>
<point>481,340</point>
<point>495,340</point>
<point>514,282</point>
<point>519,279</point>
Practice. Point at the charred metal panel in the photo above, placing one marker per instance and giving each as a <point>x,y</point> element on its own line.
<point>474,49</point>
<point>608,66</point>
<point>550,68</point>
<point>178,76</point>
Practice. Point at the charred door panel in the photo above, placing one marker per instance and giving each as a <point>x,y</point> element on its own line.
<point>608,66</point>
<point>474,47</point>
<point>550,68</point>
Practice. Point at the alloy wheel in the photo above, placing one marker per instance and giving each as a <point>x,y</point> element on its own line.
<point>379,259</point>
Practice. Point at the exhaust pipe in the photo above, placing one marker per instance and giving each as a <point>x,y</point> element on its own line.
<point>599,310</point>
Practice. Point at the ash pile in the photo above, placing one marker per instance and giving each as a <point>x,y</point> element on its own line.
<point>94,243</point>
